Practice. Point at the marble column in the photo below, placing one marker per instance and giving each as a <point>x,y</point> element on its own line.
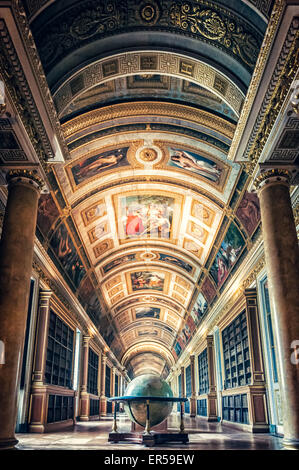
<point>193,388</point>
<point>16,256</point>
<point>84,395</point>
<point>282,262</point>
<point>38,398</point>
<point>103,399</point>
<point>212,395</point>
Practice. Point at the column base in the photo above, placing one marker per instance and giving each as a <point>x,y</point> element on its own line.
<point>8,444</point>
<point>290,444</point>
<point>212,419</point>
<point>36,428</point>
<point>83,418</point>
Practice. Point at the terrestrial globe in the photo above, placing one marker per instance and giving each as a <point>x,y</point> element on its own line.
<point>148,385</point>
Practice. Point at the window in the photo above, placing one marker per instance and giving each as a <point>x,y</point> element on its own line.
<point>237,366</point>
<point>59,362</point>
<point>203,373</point>
<point>265,293</point>
<point>116,386</point>
<point>92,376</point>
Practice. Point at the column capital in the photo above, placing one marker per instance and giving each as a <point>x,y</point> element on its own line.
<point>26,177</point>
<point>45,294</point>
<point>86,340</point>
<point>273,175</point>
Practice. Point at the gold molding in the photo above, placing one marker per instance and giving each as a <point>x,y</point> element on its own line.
<point>172,110</point>
<point>274,22</point>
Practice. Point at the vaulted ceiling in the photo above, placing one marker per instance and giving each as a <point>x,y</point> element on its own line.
<point>147,218</point>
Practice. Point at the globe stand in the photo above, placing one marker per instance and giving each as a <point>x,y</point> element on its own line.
<point>148,438</point>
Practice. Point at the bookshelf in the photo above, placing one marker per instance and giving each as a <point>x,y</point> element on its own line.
<point>237,367</point>
<point>59,358</point>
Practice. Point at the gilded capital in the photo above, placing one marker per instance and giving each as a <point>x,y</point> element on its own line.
<point>24,176</point>
<point>275,175</point>
<point>86,340</point>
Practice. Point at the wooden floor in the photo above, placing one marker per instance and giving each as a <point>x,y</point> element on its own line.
<point>93,435</point>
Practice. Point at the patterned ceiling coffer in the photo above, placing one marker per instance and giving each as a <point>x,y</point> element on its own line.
<point>89,21</point>
<point>148,85</point>
<point>136,63</point>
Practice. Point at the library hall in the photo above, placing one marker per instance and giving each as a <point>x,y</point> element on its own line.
<point>149,225</point>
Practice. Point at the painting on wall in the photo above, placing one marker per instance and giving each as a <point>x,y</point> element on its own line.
<point>228,254</point>
<point>47,213</point>
<point>147,312</point>
<point>147,280</point>
<point>248,212</point>
<point>119,262</point>
<point>67,255</point>
<point>208,290</point>
<point>147,216</point>
<point>97,164</point>
<point>199,309</point>
<point>196,164</point>
<point>89,299</point>
<point>177,348</point>
<point>175,261</point>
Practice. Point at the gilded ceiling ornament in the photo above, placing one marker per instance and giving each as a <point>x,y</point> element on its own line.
<point>211,25</point>
<point>148,155</point>
<point>278,8</point>
<point>105,17</point>
<point>149,12</point>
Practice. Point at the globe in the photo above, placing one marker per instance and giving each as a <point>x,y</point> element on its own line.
<point>148,385</point>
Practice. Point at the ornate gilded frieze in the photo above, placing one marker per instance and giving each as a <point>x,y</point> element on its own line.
<point>19,91</point>
<point>203,20</point>
<point>283,76</point>
<point>216,25</point>
<point>277,12</point>
<point>86,121</point>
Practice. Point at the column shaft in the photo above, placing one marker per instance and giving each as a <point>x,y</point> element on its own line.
<point>16,255</point>
<point>282,261</point>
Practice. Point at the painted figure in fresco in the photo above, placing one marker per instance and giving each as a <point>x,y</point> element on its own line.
<point>176,261</point>
<point>147,312</point>
<point>144,280</point>
<point>199,308</point>
<point>227,255</point>
<point>134,224</point>
<point>249,212</point>
<point>202,167</point>
<point>118,262</point>
<point>47,212</point>
<point>93,165</point>
<point>68,256</point>
<point>148,216</point>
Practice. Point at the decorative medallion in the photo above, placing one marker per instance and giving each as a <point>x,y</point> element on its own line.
<point>149,12</point>
<point>148,155</point>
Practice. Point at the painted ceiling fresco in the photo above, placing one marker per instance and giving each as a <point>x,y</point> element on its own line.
<point>147,219</point>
